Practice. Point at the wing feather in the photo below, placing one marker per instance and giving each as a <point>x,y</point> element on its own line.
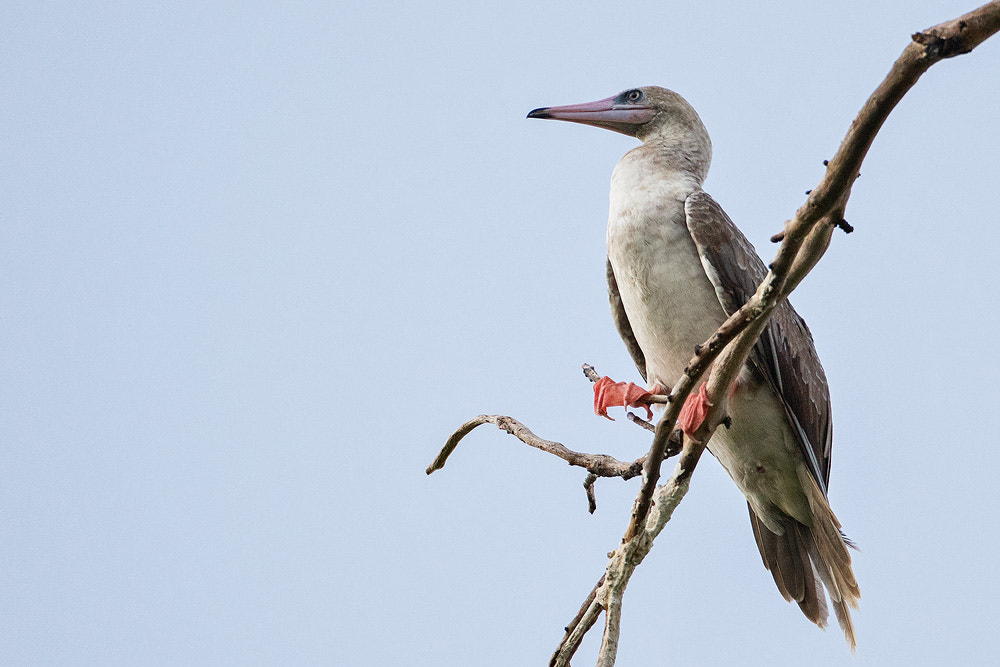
<point>622,324</point>
<point>785,353</point>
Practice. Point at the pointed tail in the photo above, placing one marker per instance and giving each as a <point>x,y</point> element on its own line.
<point>805,559</point>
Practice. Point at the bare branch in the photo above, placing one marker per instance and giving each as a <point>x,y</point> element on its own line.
<point>578,627</point>
<point>598,465</point>
<point>588,485</point>
<point>636,419</point>
<point>591,374</point>
<point>610,589</point>
<point>804,241</point>
<point>601,465</point>
<point>612,630</point>
<point>829,198</point>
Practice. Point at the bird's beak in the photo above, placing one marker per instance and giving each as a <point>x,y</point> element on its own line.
<point>606,113</point>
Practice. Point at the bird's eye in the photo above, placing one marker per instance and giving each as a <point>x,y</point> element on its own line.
<point>633,95</point>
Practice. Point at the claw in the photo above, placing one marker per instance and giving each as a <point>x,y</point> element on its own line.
<point>694,411</point>
<point>608,393</point>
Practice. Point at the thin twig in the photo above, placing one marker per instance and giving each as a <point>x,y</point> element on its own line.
<point>598,465</point>
<point>636,419</point>
<point>588,485</point>
<point>601,465</point>
<point>578,627</point>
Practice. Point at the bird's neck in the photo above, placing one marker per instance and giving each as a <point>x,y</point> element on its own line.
<point>661,169</point>
<point>684,152</point>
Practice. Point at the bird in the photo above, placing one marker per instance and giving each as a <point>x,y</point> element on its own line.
<point>677,267</point>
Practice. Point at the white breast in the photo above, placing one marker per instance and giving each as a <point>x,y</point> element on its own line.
<point>671,304</point>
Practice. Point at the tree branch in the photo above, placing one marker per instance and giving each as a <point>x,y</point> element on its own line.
<point>804,240</point>
<point>601,465</point>
<point>598,465</point>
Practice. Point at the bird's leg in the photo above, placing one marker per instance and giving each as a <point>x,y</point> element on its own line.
<point>694,411</point>
<point>608,393</point>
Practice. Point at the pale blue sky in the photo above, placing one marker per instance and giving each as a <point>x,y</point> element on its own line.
<point>259,260</point>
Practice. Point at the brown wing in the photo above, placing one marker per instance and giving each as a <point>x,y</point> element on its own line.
<point>622,323</point>
<point>785,353</point>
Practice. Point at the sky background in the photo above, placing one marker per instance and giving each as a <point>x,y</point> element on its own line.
<point>258,261</point>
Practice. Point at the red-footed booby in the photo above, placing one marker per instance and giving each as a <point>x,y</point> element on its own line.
<point>677,267</point>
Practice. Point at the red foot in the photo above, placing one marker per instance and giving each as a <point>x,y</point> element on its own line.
<point>608,393</point>
<point>694,411</point>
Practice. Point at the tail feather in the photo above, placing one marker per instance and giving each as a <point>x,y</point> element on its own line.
<point>803,556</point>
<point>787,558</point>
<point>830,545</point>
<point>846,624</point>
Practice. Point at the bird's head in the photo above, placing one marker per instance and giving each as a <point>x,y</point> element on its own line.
<point>646,113</point>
